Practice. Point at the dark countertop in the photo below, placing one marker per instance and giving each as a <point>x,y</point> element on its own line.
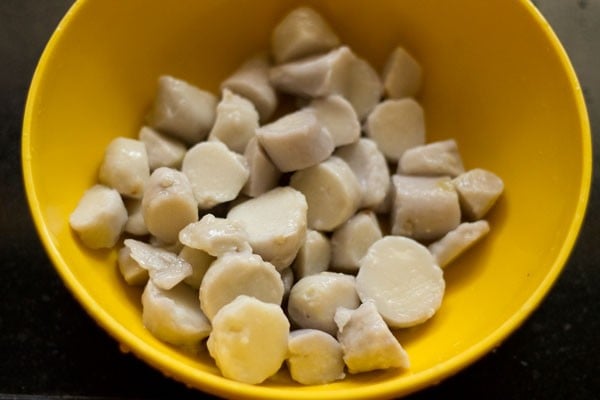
<point>49,346</point>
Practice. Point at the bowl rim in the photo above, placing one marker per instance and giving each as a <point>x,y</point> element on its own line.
<point>225,387</point>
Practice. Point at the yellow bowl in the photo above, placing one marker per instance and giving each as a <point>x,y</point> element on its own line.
<point>496,79</point>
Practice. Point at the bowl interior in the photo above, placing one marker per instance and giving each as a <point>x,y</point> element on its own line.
<point>496,79</point>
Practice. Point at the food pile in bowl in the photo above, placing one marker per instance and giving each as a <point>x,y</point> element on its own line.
<point>300,217</point>
<point>189,175</point>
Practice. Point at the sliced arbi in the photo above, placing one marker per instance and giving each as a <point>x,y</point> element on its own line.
<point>301,33</point>
<point>425,208</point>
<point>363,88</point>
<point>251,81</point>
<point>296,141</point>
<point>314,299</point>
<point>337,115</point>
<point>249,339</point>
<point>235,274</point>
<point>351,241</point>
<point>125,167</point>
<point>264,175</point>
<point>314,256</point>
<point>174,315</point>
<point>478,190</point>
<point>314,357</point>
<point>135,224</point>
<point>236,121</point>
<point>401,277</point>
<point>402,74</point>
<point>314,76</point>
<point>216,173</point>
<point>275,222</point>
<point>168,204</point>
<point>367,342</point>
<point>332,192</point>
<point>182,110</point>
<point>457,241</point>
<point>99,218</point>
<point>370,167</point>
<point>130,270</point>
<point>199,260</point>
<point>165,268</point>
<point>216,236</point>
<point>163,150</point>
<point>431,159</point>
<point>396,126</point>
